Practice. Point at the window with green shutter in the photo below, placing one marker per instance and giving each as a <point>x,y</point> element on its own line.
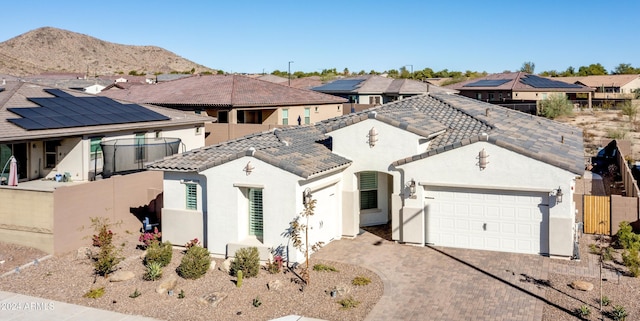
<point>96,149</point>
<point>285,116</point>
<point>255,212</point>
<point>368,190</point>
<point>191,196</point>
<point>307,115</point>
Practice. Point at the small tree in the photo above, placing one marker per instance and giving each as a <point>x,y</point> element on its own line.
<point>299,230</point>
<point>630,110</point>
<point>528,67</point>
<point>555,105</point>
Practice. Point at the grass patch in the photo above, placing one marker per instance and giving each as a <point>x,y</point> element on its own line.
<point>361,280</point>
<point>324,268</point>
<point>348,303</point>
<point>94,293</point>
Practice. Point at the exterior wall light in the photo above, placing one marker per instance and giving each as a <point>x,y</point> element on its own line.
<point>248,168</point>
<point>558,194</point>
<point>306,196</point>
<point>411,185</point>
<point>373,137</point>
<point>482,159</point>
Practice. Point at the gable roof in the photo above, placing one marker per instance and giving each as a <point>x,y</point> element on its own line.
<point>374,84</point>
<point>517,81</point>
<point>21,96</point>
<point>221,91</point>
<point>450,121</point>
<point>600,80</point>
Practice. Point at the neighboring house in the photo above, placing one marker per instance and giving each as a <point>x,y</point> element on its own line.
<point>241,104</point>
<point>443,169</point>
<point>607,87</point>
<point>520,90</point>
<point>52,131</point>
<point>372,90</point>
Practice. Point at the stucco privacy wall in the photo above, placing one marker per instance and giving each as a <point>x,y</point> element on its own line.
<point>180,225</point>
<point>111,198</point>
<point>352,142</point>
<point>26,218</point>
<point>505,170</point>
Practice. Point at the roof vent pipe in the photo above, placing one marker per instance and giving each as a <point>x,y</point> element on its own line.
<point>486,112</point>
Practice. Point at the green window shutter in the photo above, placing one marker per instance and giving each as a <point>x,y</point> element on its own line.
<point>255,212</point>
<point>192,196</point>
<point>368,190</point>
<point>95,145</point>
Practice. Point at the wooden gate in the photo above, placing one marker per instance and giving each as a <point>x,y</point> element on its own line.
<point>597,214</point>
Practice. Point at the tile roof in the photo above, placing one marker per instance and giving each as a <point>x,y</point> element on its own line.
<point>600,80</point>
<point>451,121</point>
<point>16,95</point>
<point>517,81</point>
<point>221,91</point>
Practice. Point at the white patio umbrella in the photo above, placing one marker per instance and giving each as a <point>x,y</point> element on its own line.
<point>13,172</point>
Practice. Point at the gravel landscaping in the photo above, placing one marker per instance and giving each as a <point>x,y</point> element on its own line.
<point>67,278</point>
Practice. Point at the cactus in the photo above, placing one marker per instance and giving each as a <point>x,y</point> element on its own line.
<point>239,282</point>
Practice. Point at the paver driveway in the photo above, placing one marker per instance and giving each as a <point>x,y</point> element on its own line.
<point>425,283</point>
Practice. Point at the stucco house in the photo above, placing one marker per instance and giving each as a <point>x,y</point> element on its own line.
<point>608,87</point>
<point>242,105</point>
<point>520,90</point>
<point>373,90</point>
<point>443,169</point>
<point>52,131</point>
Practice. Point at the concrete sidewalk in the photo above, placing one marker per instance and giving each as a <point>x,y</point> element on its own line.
<point>22,307</point>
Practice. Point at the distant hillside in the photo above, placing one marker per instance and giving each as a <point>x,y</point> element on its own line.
<point>55,50</point>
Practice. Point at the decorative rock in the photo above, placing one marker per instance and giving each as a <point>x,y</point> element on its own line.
<point>84,253</point>
<point>213,265</point>
<point>167,285</point>
<point>212,299</point>
<point>226,265</point>
<point>274,285</point>
<point>582,285</point>
<point>120,276</point>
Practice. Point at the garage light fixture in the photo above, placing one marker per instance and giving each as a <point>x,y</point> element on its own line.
<point>248,168</point>
<point>373,137</point>
<point>482,159</point>
<point>411,185</point>
<point>558,194</point>
<point>306,196</point>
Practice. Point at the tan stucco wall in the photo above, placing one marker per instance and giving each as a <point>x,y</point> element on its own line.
<point>112,198</point>
<point>185,226</point>
<point>561,236</point>
<point>224,132</point>
<point>26,218</point>
<point>623,209</point>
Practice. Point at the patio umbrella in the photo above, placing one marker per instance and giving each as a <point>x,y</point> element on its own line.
<point>13,172</point>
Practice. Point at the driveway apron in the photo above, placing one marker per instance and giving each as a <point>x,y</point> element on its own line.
<point>435,283</point>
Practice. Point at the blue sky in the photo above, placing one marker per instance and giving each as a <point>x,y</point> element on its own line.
<point>257,36</point>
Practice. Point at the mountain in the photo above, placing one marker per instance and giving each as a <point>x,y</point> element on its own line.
<point>51,50</point>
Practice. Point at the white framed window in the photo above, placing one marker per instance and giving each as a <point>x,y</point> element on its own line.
<point>307,116</point>
<point>479,96</point>
<point>285,116</point>
<point>254,196</point>
<point>50,153</point>
<point>368,187</point>
<point>191,199</point>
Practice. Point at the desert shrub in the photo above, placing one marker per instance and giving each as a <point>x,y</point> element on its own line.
<point>605,300</point>
<point>159,252</point>
<point>150,237</point>
<point>617,133</point>
<point>248,260</point>
<point>272,267</point>
<point>108,257</point>
<point>607,253</point>
<point>625,237</point>
<point>584,311</point>
<point>631,260</point>
<point>256,302</point>
<point>348,303</point>
<point>361,280</point>
<point>181,294</point>
<point>135,294</point>
<point>94,293</point>
<point>324,268</point>
<point>194,263</point>
<point>154,271</point>
<point>556,105</point>
<point>619,313</point>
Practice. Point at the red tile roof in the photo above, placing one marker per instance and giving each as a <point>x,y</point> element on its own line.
<point>221,90</point>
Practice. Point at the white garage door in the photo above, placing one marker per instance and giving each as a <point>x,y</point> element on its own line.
<point>508,221</point>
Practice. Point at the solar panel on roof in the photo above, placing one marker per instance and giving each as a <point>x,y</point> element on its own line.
<point>541,82</point>
<point>488,83</point>
<point>67,111</point>
<point>340,85</point>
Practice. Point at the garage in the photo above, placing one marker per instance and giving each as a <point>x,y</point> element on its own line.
<point>495,220</point>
